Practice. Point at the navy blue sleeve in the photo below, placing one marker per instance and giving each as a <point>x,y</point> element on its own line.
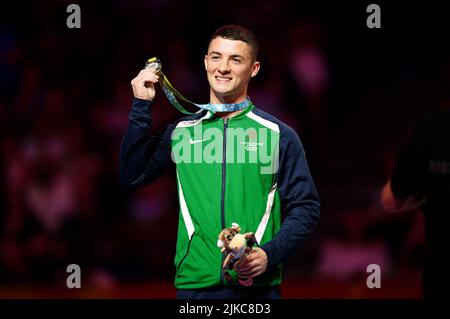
<point>142,158</point>
<point>299,199</point>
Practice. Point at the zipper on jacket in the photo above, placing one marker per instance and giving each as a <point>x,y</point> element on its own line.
<point>187,252</point>
<point>224,165</point>
<point>222,196</point>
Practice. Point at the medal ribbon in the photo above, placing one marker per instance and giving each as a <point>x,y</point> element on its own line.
<point>155,65</point>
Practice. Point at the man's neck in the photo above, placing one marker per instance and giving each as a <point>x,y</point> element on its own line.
<point>227,115</point>
<point>223,100</point>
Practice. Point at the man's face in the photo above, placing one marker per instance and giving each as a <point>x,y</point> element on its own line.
<point>229,67</point>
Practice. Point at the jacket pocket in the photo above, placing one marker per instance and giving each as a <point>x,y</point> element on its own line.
<point>180,263</point>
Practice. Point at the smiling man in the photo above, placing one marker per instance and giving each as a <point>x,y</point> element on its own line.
<point>239,166</point>
<point>230,64</point>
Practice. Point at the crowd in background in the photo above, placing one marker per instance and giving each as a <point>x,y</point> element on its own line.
<point>351,93</point>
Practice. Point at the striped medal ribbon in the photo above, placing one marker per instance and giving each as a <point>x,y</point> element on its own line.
<point>155,65</point>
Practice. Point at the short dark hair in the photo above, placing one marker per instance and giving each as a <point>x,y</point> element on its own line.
<point>237,32</point>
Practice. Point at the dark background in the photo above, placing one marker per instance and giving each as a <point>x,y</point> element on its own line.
<point>352,93</point>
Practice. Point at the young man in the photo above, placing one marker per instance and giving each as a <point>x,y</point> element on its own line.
<point>238,165</point>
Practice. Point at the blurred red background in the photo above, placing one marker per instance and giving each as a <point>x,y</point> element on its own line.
<point>352,93</point>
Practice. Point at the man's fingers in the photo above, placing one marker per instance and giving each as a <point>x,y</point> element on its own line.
<point>153,78</point>
<point>247,267</point>
<point>252,255</point>
<point>143,85</point>
<point>250,273</point>
<point>149,72</point>
<point>146,76</point>
<point>242,264</point>
<point>253,265</point>
<point>245,262</point>
<point>250,261</point>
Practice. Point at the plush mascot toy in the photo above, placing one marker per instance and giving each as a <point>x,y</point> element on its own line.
<point>235,247</point>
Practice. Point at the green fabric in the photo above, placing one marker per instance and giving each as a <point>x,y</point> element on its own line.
<point>198,261</point>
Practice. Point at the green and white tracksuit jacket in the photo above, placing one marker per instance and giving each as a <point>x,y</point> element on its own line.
<point>245,170</point>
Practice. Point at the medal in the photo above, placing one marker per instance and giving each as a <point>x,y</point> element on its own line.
<point>154,65</point>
